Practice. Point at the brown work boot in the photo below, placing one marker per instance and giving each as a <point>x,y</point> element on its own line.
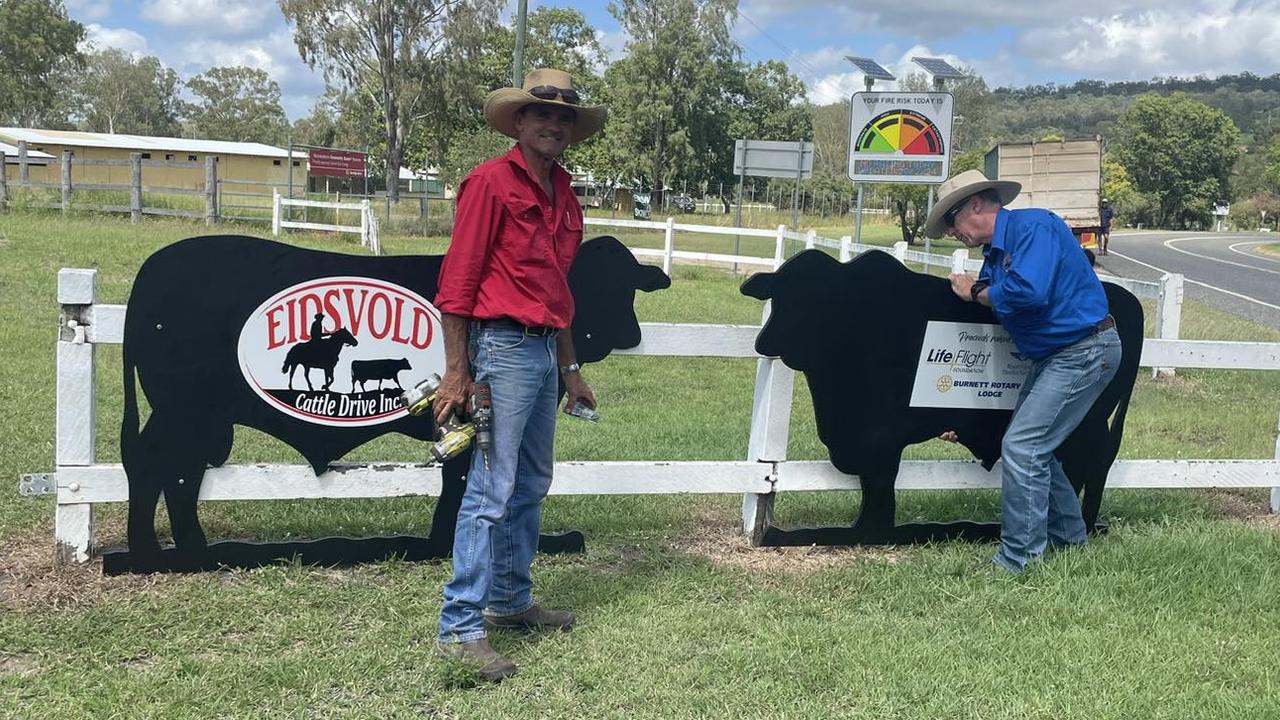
<point>535,618</point>
<point>491,665</point>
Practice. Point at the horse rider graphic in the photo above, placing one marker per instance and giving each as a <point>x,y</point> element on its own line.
<point>317,329</point>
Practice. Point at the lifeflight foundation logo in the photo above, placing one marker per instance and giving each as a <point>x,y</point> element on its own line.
<point>339,351</point>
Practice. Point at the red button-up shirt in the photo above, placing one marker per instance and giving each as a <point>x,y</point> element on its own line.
<point>512,247</point>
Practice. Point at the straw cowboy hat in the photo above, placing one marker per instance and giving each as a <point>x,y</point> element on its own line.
<point>543,87</point>
<point>956,190</point>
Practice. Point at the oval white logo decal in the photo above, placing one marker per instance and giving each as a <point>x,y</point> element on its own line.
<point>338,351</point>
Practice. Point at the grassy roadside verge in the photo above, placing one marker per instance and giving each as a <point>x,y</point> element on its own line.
<point>1166,616</point>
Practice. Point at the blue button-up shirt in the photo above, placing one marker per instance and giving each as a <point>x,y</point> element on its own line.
<point>1042,288</point>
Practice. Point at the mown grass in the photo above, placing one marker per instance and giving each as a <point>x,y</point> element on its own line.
<point>1166,616</point>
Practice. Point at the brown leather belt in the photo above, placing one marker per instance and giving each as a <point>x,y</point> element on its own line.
<point>1107,323</point>
<point>509,324</point>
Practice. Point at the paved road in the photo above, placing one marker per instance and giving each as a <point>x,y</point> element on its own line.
<point>1222,270</point>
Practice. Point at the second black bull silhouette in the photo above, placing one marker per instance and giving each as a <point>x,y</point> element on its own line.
<point>855,330</point>
<point>188,304</point>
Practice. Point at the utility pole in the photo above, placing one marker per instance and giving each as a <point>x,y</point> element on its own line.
<point>517,62</point>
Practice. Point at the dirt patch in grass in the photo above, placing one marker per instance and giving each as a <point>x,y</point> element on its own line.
<point>1241,503</point>
<point>720,541</point>
<point>1177,382</point>
<point>1265,522</point>
<point>31,580</point>
<point>19,665</point>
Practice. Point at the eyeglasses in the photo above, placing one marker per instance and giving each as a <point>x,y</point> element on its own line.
<point>551,92</point>
<point>950,216</point>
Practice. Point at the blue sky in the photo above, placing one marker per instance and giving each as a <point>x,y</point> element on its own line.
<point>1009,42</point>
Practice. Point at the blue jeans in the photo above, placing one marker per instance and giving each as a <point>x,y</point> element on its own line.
<point>1038,507</point>
<point>498,524</point>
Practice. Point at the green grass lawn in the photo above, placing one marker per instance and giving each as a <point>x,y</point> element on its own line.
<point>1169,615</point>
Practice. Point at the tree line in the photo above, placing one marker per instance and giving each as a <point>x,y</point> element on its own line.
<point>407,79</point>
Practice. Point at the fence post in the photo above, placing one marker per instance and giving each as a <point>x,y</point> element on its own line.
<point>366,211</point>
<point>210,190</point>
<point>66,181</point>
<point>779,243</point>
<point>76,408</point>
<point>1275,491</point>
<point>810,239</point>
<point>4,182</point>
<point>900,251</point>
<point>24,169</point>
<point>135,186</point>
<point>275,211</point>
<point>770,429</point>
<point>669,245</point>
<point>958,260</point>
<point>1168,315</point>
<point>846,248</point>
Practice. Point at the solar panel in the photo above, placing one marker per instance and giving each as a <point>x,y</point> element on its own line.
<point>870,68</point>
<point>937,67</point>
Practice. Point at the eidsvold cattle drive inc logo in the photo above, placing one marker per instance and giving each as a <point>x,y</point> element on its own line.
<point>338,351</point>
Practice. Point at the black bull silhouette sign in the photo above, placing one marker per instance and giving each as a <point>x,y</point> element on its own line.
<point>856,331</point>
<point>218,328</point>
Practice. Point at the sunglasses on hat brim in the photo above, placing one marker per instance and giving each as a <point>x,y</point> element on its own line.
<point>550,92</point>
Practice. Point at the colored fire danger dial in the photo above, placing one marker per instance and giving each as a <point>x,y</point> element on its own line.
<point>903,132</point>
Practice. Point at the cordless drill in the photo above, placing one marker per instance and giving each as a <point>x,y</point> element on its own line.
<point>452,438</point>
<point>419,397</point>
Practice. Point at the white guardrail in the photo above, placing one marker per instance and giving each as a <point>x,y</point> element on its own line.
<point>368,227</point>
<point>79,482</point>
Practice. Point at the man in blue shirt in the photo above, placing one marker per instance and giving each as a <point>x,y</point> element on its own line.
<point>1044,293</point>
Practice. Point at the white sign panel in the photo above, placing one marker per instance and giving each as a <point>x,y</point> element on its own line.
<point>900,137</point>
<point>968,365</point>
<point>338,351</point>
<point>772,158</point>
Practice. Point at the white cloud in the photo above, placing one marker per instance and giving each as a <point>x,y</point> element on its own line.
<point>1214,39</point>
<point>842,80</point>
<point>89,9</point>
<point>217,17</point>
<point>945,18</point>
<point>275,54</point>
<point>614,43</point>
<point>121,38</point>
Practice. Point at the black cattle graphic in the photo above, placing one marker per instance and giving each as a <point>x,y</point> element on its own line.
<point>317,354</point>
<point>196,391</point>
<point>856,332</point>
<point>363,371</point>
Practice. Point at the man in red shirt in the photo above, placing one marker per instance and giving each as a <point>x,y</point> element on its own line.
<point>506,306</point>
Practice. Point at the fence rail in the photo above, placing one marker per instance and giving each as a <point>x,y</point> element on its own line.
<point>135,187</point>
<point>80,483</point>
<point>368,228</point>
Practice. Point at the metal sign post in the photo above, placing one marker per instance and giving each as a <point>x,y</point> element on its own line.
<point>772,158</point>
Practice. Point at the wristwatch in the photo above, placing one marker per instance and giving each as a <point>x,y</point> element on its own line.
<point>570,368</point>
<point>977,288</point>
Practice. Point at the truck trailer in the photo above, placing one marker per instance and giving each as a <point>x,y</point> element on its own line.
<point>1064,176</point>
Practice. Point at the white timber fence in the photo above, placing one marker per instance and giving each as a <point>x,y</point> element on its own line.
<point>80,482</point>
<point>110,197</point>
<point>368,227</point>
<point>1167,293</point>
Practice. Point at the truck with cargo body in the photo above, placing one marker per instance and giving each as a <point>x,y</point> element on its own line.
<point>1064,176</point>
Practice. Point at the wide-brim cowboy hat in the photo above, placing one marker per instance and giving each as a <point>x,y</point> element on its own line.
<point>957,189</point>
<point>501,105</point>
